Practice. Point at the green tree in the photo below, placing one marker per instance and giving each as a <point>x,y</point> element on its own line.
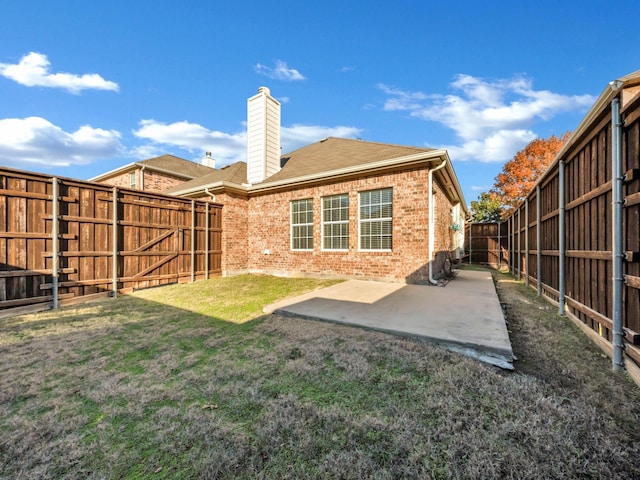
<point>487,208</point>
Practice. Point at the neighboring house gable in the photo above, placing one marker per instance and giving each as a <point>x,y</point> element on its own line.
<point>155,174</point>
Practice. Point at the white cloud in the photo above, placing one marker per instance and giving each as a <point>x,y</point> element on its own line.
<point>35,140</point>
<point>280,71</point>
<point>492,119</point>
<point>33,71</point>
<point>226,147</point>
<point>496,146</point>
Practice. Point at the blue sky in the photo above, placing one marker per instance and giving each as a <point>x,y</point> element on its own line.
<point>86,87</point>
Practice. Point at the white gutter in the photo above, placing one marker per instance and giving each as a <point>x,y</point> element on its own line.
<point>432,222</point>
<point>219,185</point>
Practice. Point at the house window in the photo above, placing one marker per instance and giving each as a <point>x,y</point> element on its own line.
<point>335,222</point>
<point>132,179</point>
<point>376,219</point>
<point>302,224</point>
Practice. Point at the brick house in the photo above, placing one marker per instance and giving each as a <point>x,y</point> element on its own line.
<point>156,174</point>
<point>335,208</point>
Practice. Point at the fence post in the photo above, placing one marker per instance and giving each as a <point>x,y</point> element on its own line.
<point>538,241</point>
<point>206,242</point>
<point>526,241</point>
<point>562,246</point>
<point>509,243</point>
<point>470,240</point>
<point>193,240</point>
<point>55,236</point>
<point>499,248</point>
<point>617,234</point>
<point>519,245</point>
<point>114,239</point>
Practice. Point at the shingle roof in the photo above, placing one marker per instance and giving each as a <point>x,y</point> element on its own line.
<point>178,165</point>
<point>334,153</point>
<point>324,156</point>
<point>234,173</point>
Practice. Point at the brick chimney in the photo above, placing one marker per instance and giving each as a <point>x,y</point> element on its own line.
<point>263,136</point>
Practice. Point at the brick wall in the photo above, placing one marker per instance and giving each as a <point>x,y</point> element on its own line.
<point>158,181</point>
<point>153,181</point>
<point>123,180</point>
<point>269,232</point>
<point>256,231</point>
<point>235,235</point>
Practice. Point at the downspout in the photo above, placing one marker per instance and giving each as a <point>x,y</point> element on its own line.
<point>432,222</point>
<point>142,177</point>
<point>212,195</point>
<point>617,254</point>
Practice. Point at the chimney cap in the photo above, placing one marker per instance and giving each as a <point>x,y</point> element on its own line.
<point>264,90</point>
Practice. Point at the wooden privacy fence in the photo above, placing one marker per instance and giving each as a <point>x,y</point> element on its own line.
<point>63,240</point>
<point>561,238</point>
<point>486,244</point>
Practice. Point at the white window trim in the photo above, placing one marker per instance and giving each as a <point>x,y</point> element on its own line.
<point>133,179</point>
<point>291,225</point>
<point>323,223</point>
<point>385,250</point>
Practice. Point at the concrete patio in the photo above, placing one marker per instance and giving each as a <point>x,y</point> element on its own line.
<point>465,316</point>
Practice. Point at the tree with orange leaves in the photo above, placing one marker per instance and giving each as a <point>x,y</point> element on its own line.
<point>520,174</point>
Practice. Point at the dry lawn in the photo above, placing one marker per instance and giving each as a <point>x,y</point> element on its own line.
<point>140,388</point>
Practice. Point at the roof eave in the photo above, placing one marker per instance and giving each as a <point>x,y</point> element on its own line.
<point>214,187</point>
<point>130,166</point>
<point>373,167</point>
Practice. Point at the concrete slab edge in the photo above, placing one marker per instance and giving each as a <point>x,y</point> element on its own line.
<point>495,357</point>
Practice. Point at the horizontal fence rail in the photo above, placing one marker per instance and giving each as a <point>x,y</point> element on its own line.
<point>561,238</point>
<point>63,241</point>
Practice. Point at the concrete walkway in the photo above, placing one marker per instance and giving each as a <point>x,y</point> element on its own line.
<point>465,316</point>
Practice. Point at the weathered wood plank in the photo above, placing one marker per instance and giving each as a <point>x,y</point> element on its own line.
<point>632,281</point>
<point>590,254</point>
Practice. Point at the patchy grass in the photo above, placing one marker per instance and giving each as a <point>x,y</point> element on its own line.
<point>174,382</point>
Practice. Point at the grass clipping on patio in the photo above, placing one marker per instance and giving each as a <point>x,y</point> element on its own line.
<point>174,382</point>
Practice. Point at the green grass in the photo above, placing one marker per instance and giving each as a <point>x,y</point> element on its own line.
<point>192,381</point>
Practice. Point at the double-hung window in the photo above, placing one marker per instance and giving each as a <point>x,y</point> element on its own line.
<point>376,219</point>
<point>335,222</point>
<point>302,224</point>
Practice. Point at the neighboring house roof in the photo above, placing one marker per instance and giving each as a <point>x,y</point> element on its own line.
<point>235,173</point>
<point>169,164</point>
